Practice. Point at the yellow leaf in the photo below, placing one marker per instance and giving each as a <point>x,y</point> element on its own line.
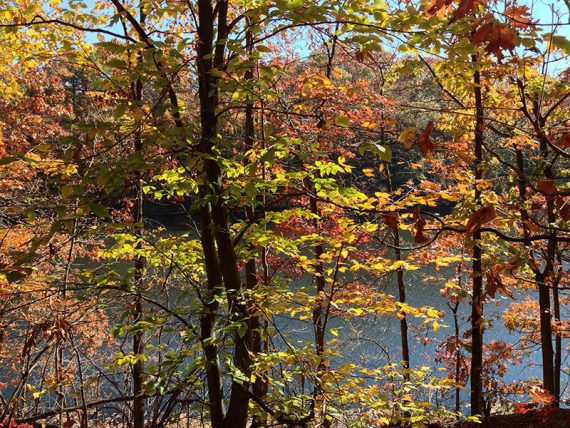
<point>408,137</point>
<point>138,113</point>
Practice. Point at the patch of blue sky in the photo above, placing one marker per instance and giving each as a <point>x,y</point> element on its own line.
<point>551,16</point>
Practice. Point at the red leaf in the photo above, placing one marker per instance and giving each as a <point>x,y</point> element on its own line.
<point>482,34</point>
<point>416,213</point>
<point>564,140</point>
<point>496,37</point>
<point>466,7</point>
<point>419,236</point>
<point>424,142</point>
<point>479,218</point>
<point>547,187</point>
<point>391,219</point>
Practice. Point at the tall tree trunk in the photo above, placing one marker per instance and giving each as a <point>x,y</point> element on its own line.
<point>454,310</point>
<point>208,320</point>
<point>545,332</point>
<point>401,286</point>
<point>557,342</point>
<point>59,355</point>
<point>477,277</point>
<point>550,368</point>
<point>217,224</point>
<point>542,278</point>
<point>138,339</point>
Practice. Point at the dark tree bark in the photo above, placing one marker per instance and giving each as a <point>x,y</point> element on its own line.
<point>138,339</point>
<point>401,287</point>
<point>220,258</point>
<point>477,277</point>
<point>542,278</point>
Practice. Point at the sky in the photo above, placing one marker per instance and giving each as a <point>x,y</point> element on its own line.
<point>546,12</point>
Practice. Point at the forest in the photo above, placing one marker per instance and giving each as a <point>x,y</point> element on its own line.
<point>284,213</point>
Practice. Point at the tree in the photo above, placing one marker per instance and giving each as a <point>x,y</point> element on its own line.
<point>314,174</point>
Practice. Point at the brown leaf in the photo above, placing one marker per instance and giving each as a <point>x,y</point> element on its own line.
<point>424,142</point>
<point>564,140</point>
<point>482,34</point>
<point>466,7</point>
<point>416,213</point>
<point>547,187</point>
<point>494,284</point>
<point>480,217</point>
<point>69,423</point>
<point>6,268</point>
<point>391,219</point>
<point>419,236</point>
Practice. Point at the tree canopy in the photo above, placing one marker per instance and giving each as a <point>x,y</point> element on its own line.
<point>283,213</point>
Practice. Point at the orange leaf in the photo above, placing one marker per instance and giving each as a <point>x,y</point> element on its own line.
<point>437,5</point>
<point>519,16</point>
<point>522,408</point>
<point>480,217</point>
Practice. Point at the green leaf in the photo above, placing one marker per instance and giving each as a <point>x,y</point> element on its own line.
<point>383,152</point>
<point>14,276</point>
<point>7,160</point>
<point>120,110</point>
<point>342,120</point>
<point>561,43</point>
<point>99,210</point>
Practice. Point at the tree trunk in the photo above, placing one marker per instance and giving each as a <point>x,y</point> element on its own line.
<point>477,277</point>
<point>138,339</point>
<point>215,220</point>
<point>557,343</point>
<point>401,287</point>
<point>546,275</point>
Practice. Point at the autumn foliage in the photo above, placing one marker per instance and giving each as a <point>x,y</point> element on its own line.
<point>236,213</point>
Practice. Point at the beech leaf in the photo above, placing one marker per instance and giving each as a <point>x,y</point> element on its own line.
<point>479,218</point>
